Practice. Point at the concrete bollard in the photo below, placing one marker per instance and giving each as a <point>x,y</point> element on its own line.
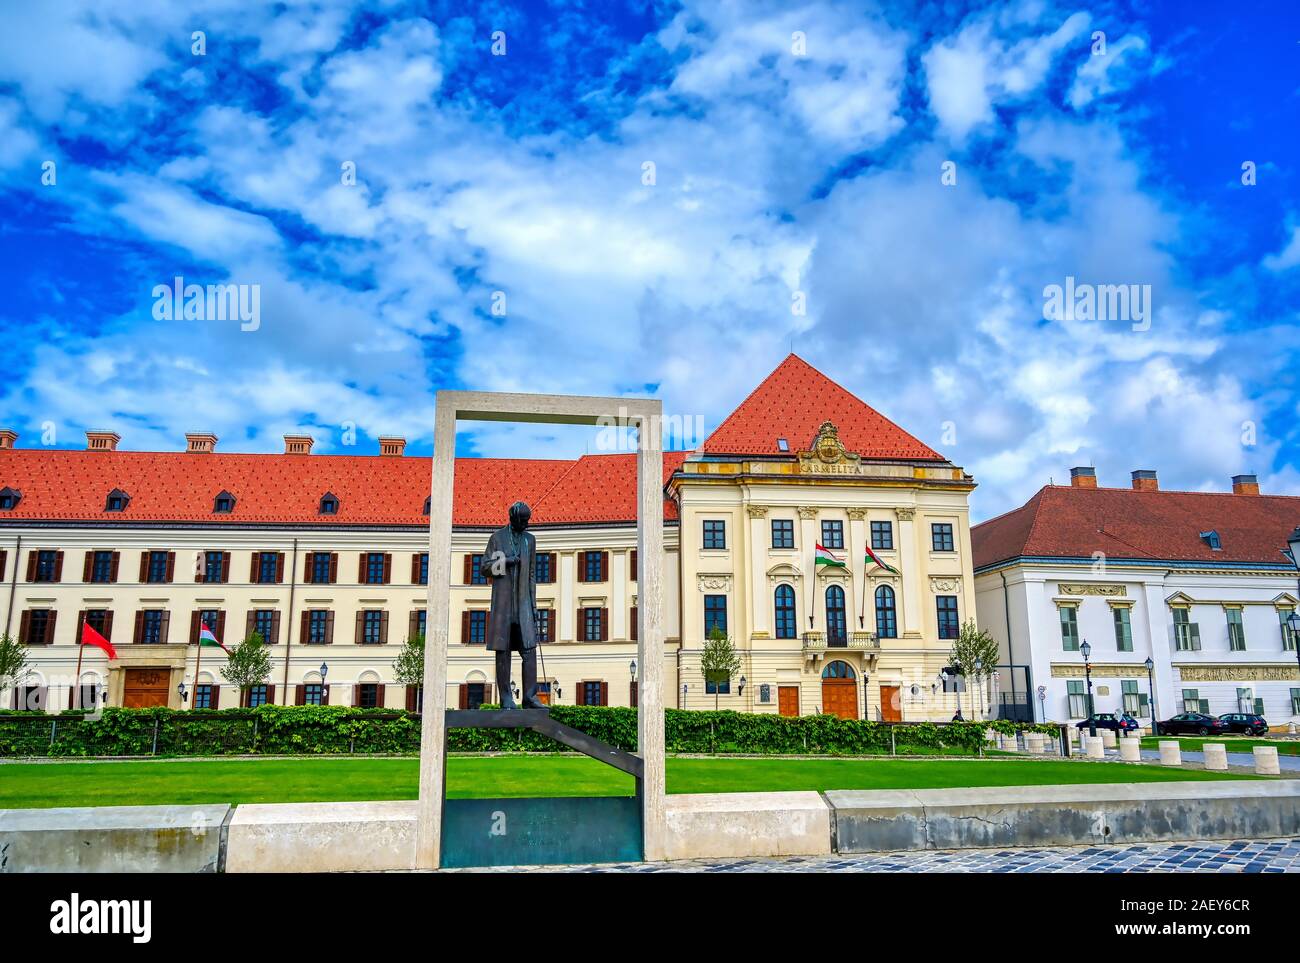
<point>1266,763</point>
<point>1009,743</point>
<point>1216,756</point>
<point>1171,753</point>
<point>1094,748</point>
<point>1107,738</point>
<point>1130,749</point>
<point>1033,742</point>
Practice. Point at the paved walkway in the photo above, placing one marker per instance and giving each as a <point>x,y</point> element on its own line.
<point>1211,856</point>
<point>1244,759</point>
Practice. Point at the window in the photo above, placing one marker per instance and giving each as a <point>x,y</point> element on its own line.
<point>882,535</point>
<point>782,444</point>
<point>785,614</point>
<point>368,695</point>
<point>47,566</point>
<point>592,693</point>
<point>329,505</point>
<point>322,568</point>
<point>832,534</point>
<point>318,621</point>
<point>720,688</point>
<point>117,501</point>
<point>372,627</point>
<point>422,569</point>
<point>157,567</point>
<point>267,567</point>
<point>9,499</point>
<point>98,619</point>
<point>1192,702</point>
<point>151,626</point>
<point>257,696</point>
<point>545,568</point>
<point>946,606</point>
<point>1295,702</point>
<point>376,570</point>
<point>476,576</point>
<point>313,694</point>
<point>203,696</point>
<point>715,533</point>
<point>264,625</point>
<point>1236,631</point>
<point>1135,703</point>
<point>1123,629</point>
<point>782,533</point>
<point>1077,698</point>
<point>1069,628</point>
<point>478,627</point>
<point>425,510</point>
<point>593,624</point>
<point>593,567</point>
<point>546,625</point>
<point>886,613</point>
<point>836,627</point>
<point>223,504</point>
<point>1211,539</point>
<point>1246,701</point>
<point>1187,634</point>
<point>941,537</point>
<point>101,567</point>
<point>715,614</point>
<point>214,566</point>
<point>420,621</point>
<point>39,627</point>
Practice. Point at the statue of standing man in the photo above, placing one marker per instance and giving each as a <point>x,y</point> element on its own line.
<point>510,564</point>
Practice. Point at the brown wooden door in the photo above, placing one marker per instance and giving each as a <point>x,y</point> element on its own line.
<point>145,688</point>
<point>840,698</point>
<point>891,705</point>
<point>787,700</point>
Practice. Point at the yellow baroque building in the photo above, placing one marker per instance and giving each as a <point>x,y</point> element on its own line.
<point>830,545</point>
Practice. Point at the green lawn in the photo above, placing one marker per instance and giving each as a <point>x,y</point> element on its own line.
<point>42,785</point>
<point>1285,747</point>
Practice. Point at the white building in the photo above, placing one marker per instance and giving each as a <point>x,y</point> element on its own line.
<point>1194,580</point>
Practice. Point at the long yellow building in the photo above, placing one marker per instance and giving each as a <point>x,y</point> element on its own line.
<point>326,557</point>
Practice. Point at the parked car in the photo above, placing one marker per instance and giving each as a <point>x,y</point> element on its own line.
<point>1246,723</point>
<point>1192,723</point>
<point>1108,720</point>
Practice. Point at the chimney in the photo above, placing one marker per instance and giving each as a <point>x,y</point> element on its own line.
<point>202,442</point>
<point>1245,485</point>
<point>392,445</point>
<point>298,444</point>
<point>1083,477</point>
<point>102,440</point>
<point>7,437</point>
<point>1145,480</point>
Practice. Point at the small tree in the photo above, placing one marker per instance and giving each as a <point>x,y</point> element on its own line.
<point>248,664</point>
<point>971,645</point>
<point>13,662</point>
<point>408,667</point>
<point>719,661</point>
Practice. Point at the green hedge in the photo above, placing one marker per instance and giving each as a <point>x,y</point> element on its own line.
<point>307,730</point>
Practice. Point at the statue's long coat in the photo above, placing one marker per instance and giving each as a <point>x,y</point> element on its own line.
<point>514,594</point>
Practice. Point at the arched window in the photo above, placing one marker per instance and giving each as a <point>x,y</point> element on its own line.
<point>785,617</point>
<point>838,670</point>
<point>886,614</point>
<point>329,505</point>
<point>836,629</point>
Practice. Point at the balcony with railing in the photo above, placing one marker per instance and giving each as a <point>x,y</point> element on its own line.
<point>1187,636</point>
<point>814,642</point>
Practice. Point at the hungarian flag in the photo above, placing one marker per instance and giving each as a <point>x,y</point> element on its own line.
<point>873,557</point>
<point>207,638</point>
<point>824,556</point>
<point>90,637</point>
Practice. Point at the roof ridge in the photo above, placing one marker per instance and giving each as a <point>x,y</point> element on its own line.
<point>1168,491</point>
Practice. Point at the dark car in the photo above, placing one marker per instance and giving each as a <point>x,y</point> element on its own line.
<point>1244,722</point>
<point>1192,723</point>
<point>1108,720</point>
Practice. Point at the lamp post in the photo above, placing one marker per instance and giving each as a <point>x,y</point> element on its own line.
<point>979,666</point>
<point>180,690</point>
<point>1086,649</point>
<point>1294,620</point>
<point>1151,687</point>
<point>631,668</point>
<point>324,671</point>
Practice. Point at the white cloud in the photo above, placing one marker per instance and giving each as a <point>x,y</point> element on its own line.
<point>1289,256</point>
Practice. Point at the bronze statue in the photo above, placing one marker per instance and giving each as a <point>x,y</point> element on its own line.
<point>510,563</point>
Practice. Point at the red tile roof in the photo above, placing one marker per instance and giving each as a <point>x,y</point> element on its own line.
<point>792,402</point>
<point>1067,522</point>
<point>286,489</point>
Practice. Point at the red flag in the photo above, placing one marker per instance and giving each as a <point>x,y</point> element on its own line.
<point>90,637</point>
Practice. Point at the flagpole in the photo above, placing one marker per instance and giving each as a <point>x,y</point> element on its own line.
<point>81,648</point>
<point>862,597</point>
<point>198,659</point>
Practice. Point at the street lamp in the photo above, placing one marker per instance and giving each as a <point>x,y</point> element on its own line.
<point>180,689</point>
<point>979,666</point>
<point>1151,687</point>
<point>1086,649</point>
<point>741,691</point>
<point>1293,621</point>
<point>631,667</point>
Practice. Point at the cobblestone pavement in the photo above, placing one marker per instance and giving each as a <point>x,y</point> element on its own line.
<point>1205,856</point>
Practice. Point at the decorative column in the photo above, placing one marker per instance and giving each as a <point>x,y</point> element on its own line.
<point>908,597</point>
<point>755,557</point>
<point>618,568</point>
<point>566,629</point>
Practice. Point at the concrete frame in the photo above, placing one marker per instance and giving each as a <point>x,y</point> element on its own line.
<point>644,414</point>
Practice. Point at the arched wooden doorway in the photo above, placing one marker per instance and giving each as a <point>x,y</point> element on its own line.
<point>840,690</point>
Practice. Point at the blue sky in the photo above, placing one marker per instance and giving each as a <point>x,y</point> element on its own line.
<point>784,168</point>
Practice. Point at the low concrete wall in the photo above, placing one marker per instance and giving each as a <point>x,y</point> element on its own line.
<point>710,825</point>
<point>322,837</point>
<point>113,839</point>
<point>874,821</point>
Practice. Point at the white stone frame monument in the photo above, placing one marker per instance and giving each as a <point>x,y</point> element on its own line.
<point>641,413</point>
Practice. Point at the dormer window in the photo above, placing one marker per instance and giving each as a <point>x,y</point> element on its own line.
<point>117,501</point>
<point>9,498</point>
<point>224,504</point>
<point>426,504</point>
<point>329,505</point>
<point>1211,538</point>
